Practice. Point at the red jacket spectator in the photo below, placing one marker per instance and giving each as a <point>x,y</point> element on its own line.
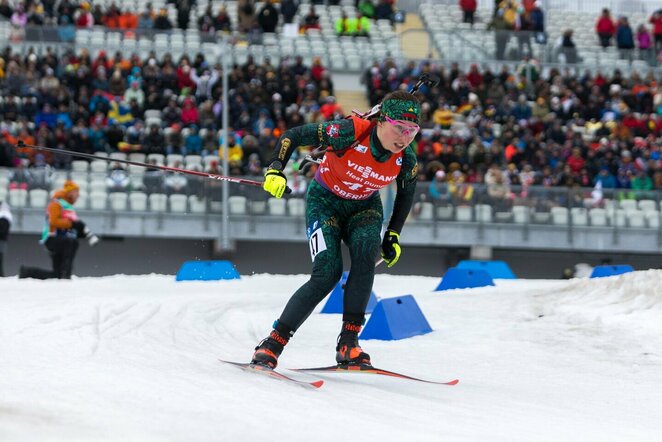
<point>189,112</point>
<point>605,28</point>
<point>468,5</point>
<point>576,161</point>
<point>605,25</point>
<point>184,78</point>
<point>656,21</point>
<point>474,76</point>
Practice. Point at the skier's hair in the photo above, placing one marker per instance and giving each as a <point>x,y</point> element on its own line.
<point>401,95</point>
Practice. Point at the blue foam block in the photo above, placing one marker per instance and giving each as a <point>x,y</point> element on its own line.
<point>396,318</point>
<point>207,271</point>
<point>455,278</point>
<point>496,269</point>
<point>335,302</point>
<point>602,271</point>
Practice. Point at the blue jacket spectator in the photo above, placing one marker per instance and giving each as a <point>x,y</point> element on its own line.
<point>606,178</point>
<point>46,116</point>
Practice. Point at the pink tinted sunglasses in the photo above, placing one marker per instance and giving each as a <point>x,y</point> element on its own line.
<point>406,130</point>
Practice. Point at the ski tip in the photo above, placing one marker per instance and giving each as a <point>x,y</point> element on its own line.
<point>317,384</point>
<point>453,382</point>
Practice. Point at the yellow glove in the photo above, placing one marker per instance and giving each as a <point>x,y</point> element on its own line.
<point>391,247</point>
<point>274,182</point>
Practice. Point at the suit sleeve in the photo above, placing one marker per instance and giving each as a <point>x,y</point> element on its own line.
<point>406,188</point>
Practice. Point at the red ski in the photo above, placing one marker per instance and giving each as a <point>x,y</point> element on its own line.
<point>368,369</point>
<point>272,373</point>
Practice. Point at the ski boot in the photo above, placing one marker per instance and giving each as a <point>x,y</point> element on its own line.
<point>267,352</point>
<point>348,351</point>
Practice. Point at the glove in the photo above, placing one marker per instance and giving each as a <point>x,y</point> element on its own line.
<point>275,182</point>
<point>391,247</point>
<point>80,227</point>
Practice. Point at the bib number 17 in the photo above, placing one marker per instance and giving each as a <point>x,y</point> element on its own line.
<point>316,243</point>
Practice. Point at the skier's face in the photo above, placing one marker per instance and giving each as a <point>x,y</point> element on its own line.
<point>396,135</point>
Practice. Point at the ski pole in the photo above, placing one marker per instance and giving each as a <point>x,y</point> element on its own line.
<point>212,176</point>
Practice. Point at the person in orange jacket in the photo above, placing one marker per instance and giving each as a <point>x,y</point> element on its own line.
<point>60,235</point>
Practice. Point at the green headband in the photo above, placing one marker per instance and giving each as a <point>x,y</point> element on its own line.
<point>406,110</point>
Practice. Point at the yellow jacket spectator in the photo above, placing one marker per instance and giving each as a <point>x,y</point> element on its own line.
<point>443,117</point>
<point>342,25</point>
<point>359,25</point>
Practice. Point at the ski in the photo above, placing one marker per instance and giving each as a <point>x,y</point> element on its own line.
<point>272,373</point>
<point>368,369</point>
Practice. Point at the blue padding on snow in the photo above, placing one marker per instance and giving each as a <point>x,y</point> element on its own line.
<point>335,302</point>
<point>207,271</point>
<point>455,278</point>
<point>602,271</point>
<point>396,318</point>
<point>496,269</point>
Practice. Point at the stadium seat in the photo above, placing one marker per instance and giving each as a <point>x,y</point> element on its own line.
<point>83,200</point>
<point>464,213</point>
<point>296,207</point>
<point>173,158</point>
<point>520,214</point>
<point>628,205</point>
<point>118,201</point>
<point>158,202</point>
<point>118,156</point>
<point>541,217</point>
<point>98,184</point>
<point>617,217</point>
<point>257,207</point>
<point>598,217</point>
<point>636,218</point>
<point>38,198</point>
<point>559,215</point>
<point>99,166</point>
<point>277,206</point>
<point>653,219</point>
<point>191,160</point>
<point>138,201</point>
<point>98,200</point>
<point>79,166</point>
<point>647,205</point>
<point>197,205</point>
<point>579,216</point>
<point>178,203</point>
<point>237,205</point>
<point>445,213</point>
<point>160,158</point>
<point>426,211</point>
<point>483,213</point>
<point>18,197</point>
<point>137,157</point>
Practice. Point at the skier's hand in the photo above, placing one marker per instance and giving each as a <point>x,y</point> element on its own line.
<point>275,182</point>
<point>391,247</point>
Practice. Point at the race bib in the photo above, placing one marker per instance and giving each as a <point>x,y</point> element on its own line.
<point>316,243</point>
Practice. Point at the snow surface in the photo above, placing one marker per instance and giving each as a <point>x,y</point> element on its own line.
<point>134,358</point>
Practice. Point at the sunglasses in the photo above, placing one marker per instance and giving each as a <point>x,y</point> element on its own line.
<point>407,130</point>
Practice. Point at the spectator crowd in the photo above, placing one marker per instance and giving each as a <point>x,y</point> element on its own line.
<point>554,128</point>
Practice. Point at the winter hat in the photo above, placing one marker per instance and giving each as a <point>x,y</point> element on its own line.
<point>405,110</point>
<point>69,186</point>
